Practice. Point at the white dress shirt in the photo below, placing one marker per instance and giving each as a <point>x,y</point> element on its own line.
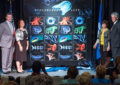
<point>11,26</point>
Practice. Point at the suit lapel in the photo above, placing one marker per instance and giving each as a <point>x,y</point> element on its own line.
<point>8,28</point>
<point>114,25</point>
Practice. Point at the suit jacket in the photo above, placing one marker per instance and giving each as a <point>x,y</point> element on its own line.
<point>115,35</point>
<point>6,36</point>
<point>106,39</point>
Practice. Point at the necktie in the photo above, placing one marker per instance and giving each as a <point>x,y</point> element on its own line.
<point>11,27</point>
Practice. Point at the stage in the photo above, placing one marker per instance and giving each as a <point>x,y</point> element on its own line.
<point>52,71</point>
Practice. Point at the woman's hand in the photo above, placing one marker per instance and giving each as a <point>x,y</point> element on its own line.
<point>27,47</point>
<point>94,46</point>
<point>108,48</point>
<point>20,48</point>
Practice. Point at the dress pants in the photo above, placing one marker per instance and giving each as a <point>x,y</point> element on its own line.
<point>7,57</point>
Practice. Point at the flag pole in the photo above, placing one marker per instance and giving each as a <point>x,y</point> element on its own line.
<point>10,8</point>
<point>98,55</point>
<point>101,1</point>
<point>10,1</point>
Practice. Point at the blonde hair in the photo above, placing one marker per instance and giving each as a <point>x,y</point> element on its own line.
<point>86,74</point>
<point>85,79</point>
<point>100,71</point>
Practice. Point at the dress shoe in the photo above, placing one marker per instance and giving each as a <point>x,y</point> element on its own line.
<point>6,72</point>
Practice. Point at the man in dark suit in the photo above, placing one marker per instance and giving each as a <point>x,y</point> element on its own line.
<point>115,37</point>
<point>7,30</point>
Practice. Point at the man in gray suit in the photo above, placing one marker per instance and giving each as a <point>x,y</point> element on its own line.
<point>115,38</point>
<point>7,39</point>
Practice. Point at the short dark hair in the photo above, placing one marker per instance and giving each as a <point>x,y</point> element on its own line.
<point>8,14</point>
<point>105,22</point>
<point>19,22</point>
<point>36,67</point>
<point>11,78</point>
<point>72,72</point>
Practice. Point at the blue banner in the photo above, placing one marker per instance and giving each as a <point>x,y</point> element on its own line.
<point>99,27</point>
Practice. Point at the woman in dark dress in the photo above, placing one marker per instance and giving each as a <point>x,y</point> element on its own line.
<point>22,45</point>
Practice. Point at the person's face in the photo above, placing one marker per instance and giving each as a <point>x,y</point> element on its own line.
<point>114,18</point>
<point>22,23</point>
<point>9,18</point>
<point>104,25</point>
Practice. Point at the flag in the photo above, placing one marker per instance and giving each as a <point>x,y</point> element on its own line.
<point>10,10</point>
<point>99,28</point>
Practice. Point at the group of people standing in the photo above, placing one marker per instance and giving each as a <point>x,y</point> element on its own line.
<point>13,41</point>
<point>109,40</point>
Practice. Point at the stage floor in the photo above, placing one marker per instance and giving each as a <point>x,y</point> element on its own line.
<point>52,71</point>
